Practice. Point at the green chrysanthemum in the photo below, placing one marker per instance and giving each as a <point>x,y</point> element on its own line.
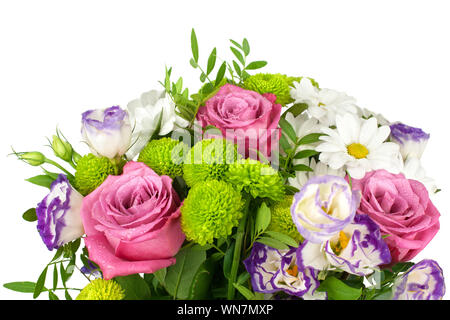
<point>278,84</point>
<point>281,219</point>
<point>100,289</point>
<point>209,159</point>
<point>165,156</point>
<point>256,178</point>
<point>91,172</point>
<point>210,211</point>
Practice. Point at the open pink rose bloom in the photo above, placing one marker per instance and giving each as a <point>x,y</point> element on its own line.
<point>402,209</point>
<point>132,222</point>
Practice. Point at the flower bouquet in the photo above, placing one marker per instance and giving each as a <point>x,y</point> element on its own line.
<point>256,186</point>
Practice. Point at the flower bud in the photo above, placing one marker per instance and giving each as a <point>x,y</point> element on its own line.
<point>62,149</point>
<point>34,158</point>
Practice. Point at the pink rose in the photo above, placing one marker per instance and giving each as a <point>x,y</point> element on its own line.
<point>132,222</point>
<point>244,117</point>
<point>402,209</point>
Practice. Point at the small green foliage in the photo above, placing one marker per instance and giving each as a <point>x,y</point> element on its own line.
<point>282,219</point>
<point>258,179</point>
<point>210,211</point>
<point>91,172</point>
<point>100,289</point>
<point>164,156</point>
<point>209,159</point>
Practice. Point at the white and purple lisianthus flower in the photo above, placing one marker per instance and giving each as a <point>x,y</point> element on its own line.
<point>412,141</point>
<point>323,207</point>
<point>59,220</point>
<point>107,132</point>
<point>423,281</point>
<point>356,249</point>
<point>273,270</point>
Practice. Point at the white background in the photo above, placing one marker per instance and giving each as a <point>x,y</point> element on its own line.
<point>59,58</point>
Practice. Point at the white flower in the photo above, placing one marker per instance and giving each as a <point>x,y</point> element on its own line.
<point>412,141</point>
<point>412,169</point>
<point>319,169</point>
<point>107,131</point>
<point>323,207</point>
<point>366,113</point>
<point>359,146</point>
<point>59,219</point>
<point>357,249</point>
<point>145,114</point>
<point>323,104</point>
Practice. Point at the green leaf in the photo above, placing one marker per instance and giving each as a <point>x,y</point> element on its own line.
<point>193,64</point>
<point>55,277</point>
<point>256,65</point>
<point>238,55</point>
<point>244,291</point>
<point>200,287</point>
<point>243,277</point>
<point>67,295</point>
<point>41,180</point>
<point>227,260</point>
<point>58,254</point>
<point>245,47</point>
<point>287,129</point>
<point>211,61</point>
<point>220,74</point>
<point>273,243</point>
<point>236,44</point>
<point>263,216</point>
<point>194,45</point>
<point>180,276</point>
<point>296,109</point>
<point>384,295</point>
<point>338,290</point>
<point>305,154</point>
<point>135,287</point>
<point>237,68</point>
<point>52,296</point>
<point>160,275</point>
<point>302,167</point>
<point>40,283</point>
<point>30,215</point>
<point>21,286</point>
<point>203,77</point>
<point>310,138</point>
<point>283,238</point>
<point>290,190</point>
<point>402,267</point>
<point>179,85</point>
<point>285,143</point>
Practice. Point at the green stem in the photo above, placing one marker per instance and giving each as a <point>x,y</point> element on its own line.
<point>59,167</point>
<point>237,251</point>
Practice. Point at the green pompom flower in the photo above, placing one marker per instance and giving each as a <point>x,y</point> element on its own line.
<point>281,219</point>
<point>210,211</point>
<point>209,159</point>
<point>91,172</point>
<point>165,156</point>
<point>256,178</point>
<point>278,84</point>
<point>100,289</point>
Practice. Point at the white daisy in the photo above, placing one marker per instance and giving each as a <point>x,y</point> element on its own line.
<point>366,113</point>
<point>412,169</point>
<point>303,126</point>
<point>323,104</point>
<point>319,169</point>
<point>358,146</point>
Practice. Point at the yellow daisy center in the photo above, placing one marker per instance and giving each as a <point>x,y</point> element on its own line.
<point>357,150</point>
